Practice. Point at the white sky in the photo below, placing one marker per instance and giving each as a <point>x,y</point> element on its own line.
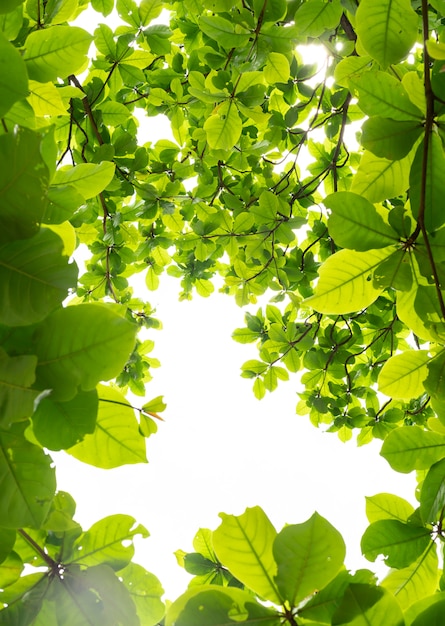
<point>222,450</point>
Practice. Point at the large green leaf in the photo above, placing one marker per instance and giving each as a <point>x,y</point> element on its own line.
<point>92,596</point>
<point>308,556</point>
<point>116,440</point>
<point>34,278</point>
<point>227,34</point>
<point>60,425</point>
<point>7,540</point>
<point>382,95</point>
<point>387,29</point>
<point>355,223</point>
<point>88,179</point>
<point>56,52</point>
<point>17,374</point>
<point>13,76</point>
<point>223,128</point>
<point>314,18</point>
<point>146,591</point>
<point>432,494</point>
<point>10,569</point>
<point>388,138</point>
<point>387,506</point>
<point>243,544</point>
<point>217,606</point>
<point>410,447</point>
<point>378,179</point>
<point>432,615</point>
<point>108,541</point>
<point>415,581</point>
<point>434,185</point>
<point>9,5</point>
<point>81,345</point>
<point>345,282</point>
<point>403,375</point>
<point>399,543</point>
<point>27,481</point>
<point>24,178</point>
<point>367,605</point>
<point>323,605</point>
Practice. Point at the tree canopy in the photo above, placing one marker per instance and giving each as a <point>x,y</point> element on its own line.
<point>264,189</point>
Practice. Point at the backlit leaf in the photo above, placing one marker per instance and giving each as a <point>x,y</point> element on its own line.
<point>308,556</point>
<point>13,76</point>
<point>244,545</point>
<point>355,223</point>
<point>34,278</point>
<point>80,346</point>
<point>108,541</point>
<point>387,29</point>
<point>410,447</point>
<point>345,282</point>
<point>116,440</point>
<point>56,52</point>
<point>27,479</point>
<point>402,376</point>
<point>399,543</point>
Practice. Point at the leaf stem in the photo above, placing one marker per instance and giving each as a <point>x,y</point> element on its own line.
<point>35,546</point>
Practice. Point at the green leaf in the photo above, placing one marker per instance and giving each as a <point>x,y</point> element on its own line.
<point>315,17</point>
<point>109,541</point>
<point>435,49</point>
<point>355,223</point>
<point>103,6</point>
<point>88,179</point>
<point>80,346</point>
<point>410,447</point>
<point>56,52</point>
<point>116,440</point>
<point>10,568</point>
<point>34,278</point>
<point>403,375</point>
<point>432,494</point>
<point>399,543</point>
<point>227,34</point>
<point>366,605</point>
<point>350,67</point>
<point>24,179</point>
<point>387,29</point>
<point>13,76</point>
<point>60,425</point>
<point>435,184</point>
<point>432,615</point>
<point>243,544</point>
<point>387,506</point>
<point>7,541</point>
<point>382,95</point>
<point>94,595</point>
<point>308,556</point>
<point>28,481</point>
<point>388,138</point>
<point>217,606</point>
<point>223,128</point>
<point>149,10</point>
<point>9,5</point>
<point>146,591</point>
<point>17,375</point>
<point>345,282</point>
<point>277,70</point>
<point>378,179</point>
<point>395,272</point>
<point>415,581</point>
